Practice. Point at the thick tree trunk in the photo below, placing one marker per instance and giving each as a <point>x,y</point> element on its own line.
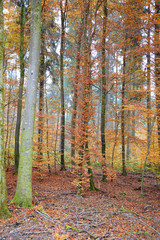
<point>3,190</point>
<point>23,196</point>
<point>20,92</point>
<point>86,107</point>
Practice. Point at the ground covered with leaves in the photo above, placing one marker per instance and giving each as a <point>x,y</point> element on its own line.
<point>117,211</point>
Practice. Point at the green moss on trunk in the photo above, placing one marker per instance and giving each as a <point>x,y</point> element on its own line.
<point>23,196</point>
<point>17,200</point>
<point>4,212</point>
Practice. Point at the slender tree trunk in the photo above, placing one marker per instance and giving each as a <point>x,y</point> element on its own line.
<point>3,189</point>
<point>47,134</point>
<point>41,103</point>
<point>128,150</point>
<point>62,48</point>
<point>8,118</point>
<point>148,91</point>
<point>9,140</point>
<point>116,116</point>
<point>80,169</point>
<point>123,116</point>
<point>55,144</point>
<point>115,142</point>
<point>103,100</point>
<point>157,66</point>
<point>23,196</point>
<point>20,92</point>
<point>74,114</point>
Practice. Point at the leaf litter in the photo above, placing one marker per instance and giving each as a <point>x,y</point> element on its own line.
<point>117,211</point>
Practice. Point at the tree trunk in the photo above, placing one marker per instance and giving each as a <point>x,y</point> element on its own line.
<point>41,103</point>
<point>86,107</point>
<point>20,92</point>
<point>148,90</point>
<point>123,116</point>
<point>23,196</point>
<point>73,123</point>
<point>3,189</point>
<point>8,117</point>
<point>47,133</point>
<point>9,156</point>
<point>62,48</point>
<point>103,100</point>
<point>128,150</point>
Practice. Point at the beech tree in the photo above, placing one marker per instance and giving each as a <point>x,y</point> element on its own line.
<point>23,195</point>
<point>3,190</point>
<point>20,92</point>
<point>63,10</point>
<point>148,78</point>
<point>103,106</point>
<point>123,115</point>
<point>41,90</point>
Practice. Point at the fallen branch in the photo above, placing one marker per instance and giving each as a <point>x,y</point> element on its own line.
<point>46,216</point>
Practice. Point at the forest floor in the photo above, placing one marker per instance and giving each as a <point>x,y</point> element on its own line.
<point>116,212</point>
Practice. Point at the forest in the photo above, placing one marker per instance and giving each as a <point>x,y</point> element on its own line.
<point>79,119</point>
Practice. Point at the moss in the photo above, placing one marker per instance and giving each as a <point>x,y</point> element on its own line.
<point>4,212</point>
<point>94,188</point>
<point>21,202</point>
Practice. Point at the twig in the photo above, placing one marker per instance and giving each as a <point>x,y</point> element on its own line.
<point>46,216</point>
<point>143,223</point>
<point>85,231</point>
<point>38,232</point>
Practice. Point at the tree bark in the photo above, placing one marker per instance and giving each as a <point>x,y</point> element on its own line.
<point>3,189</point>
<point>124,172</point>
<point>41,102</point>
<point>148,89</point>
<point>74,114</point>
<point>86,101</point>
<point>20,92</point>
<point>62,48</point>
<point>47,133</point>
<point>7,120</point>
<point>23,196</point>
<point>103,100</point>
